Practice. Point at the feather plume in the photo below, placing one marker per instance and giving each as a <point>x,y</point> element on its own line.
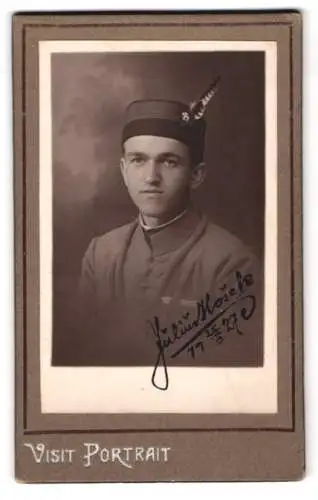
<point>197,108</point>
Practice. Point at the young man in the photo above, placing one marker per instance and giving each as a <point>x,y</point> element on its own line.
<point>169,288</point>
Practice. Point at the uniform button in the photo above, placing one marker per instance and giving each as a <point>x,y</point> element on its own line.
<point>159,274</point>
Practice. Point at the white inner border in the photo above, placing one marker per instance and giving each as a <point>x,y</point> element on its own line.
<point>191,390</point>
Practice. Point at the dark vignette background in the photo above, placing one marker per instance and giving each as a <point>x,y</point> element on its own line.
<point>89,96</point>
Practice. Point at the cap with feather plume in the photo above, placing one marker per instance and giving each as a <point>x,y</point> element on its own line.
<point>172,119</point>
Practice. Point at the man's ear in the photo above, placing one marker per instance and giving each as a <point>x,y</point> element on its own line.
<point>123,168</point>
<point>198,173</point>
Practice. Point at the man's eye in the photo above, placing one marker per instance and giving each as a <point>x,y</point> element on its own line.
<point>170,162</point>
<point>137,160</point>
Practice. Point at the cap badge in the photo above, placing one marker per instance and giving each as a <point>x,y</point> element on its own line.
<point>185,116</point>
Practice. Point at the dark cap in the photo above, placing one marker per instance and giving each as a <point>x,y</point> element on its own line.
<point>173,119</point>
<point>166,119</point>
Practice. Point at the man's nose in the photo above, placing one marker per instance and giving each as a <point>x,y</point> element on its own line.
<point>152,174</point>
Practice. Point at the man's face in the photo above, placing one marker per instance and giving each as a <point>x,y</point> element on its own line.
<point>158,175</point>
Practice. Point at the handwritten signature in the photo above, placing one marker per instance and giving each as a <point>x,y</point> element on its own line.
<point>213,318</point>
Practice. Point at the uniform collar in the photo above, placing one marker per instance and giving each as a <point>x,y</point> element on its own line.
<point>146,228</point>
<point>171,235</point>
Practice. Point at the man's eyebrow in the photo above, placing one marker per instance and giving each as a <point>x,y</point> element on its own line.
<point>170,155</point>
<point>136,153</point>
<point>161,156</point>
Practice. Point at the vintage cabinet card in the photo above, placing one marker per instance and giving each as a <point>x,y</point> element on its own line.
<point>158,247</point>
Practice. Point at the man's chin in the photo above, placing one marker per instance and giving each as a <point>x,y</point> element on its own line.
<point>153,210</point>
<point>153,214</point>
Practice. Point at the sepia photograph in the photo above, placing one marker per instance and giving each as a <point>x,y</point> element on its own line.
<point>143,190</point>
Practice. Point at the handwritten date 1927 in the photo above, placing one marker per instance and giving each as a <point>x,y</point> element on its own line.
<point>213,318</point>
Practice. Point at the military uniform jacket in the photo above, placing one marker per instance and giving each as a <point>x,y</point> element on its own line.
<point>191,291</point>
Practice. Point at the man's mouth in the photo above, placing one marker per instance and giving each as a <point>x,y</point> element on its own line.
<point>151,191</point>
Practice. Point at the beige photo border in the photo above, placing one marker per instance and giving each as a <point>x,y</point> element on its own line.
<point>129,390</point>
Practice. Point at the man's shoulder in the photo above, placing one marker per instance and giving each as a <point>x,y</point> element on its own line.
<point>113,241</point>
<point>217,237</point>
<point>116,235</point>
<point>223,252</point>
